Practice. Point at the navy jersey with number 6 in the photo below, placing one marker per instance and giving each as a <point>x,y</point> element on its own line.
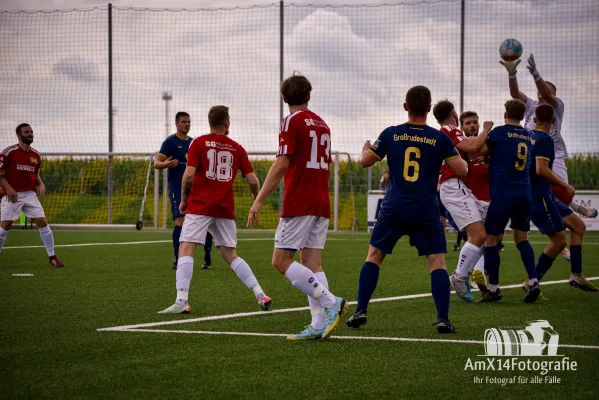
<point>410,207</point>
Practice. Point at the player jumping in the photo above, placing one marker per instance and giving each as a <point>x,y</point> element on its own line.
<point>303,157</point>
<point>415,153</point>
<point>20,179</point>
<point>173,155</point>
<point>207,200</point>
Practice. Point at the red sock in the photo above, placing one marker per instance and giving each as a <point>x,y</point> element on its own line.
<point>561,194</point>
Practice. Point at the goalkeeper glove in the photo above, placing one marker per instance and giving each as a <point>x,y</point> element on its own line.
<point>510,66</point>
<point>532,67</point>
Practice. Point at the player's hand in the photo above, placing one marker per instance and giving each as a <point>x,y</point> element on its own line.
<point>170,163</point>
<point>253,214</point>
<point>487,125</point>
<point>479,160</point>
<point>510,66</point>
<point>183,207</point>
<point>366,146</point>
<point>11,194</point>
<point>532,68</point>
<point>41,190</point>
<point>571,191</point>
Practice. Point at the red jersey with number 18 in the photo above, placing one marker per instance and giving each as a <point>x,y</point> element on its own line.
<point>306,139</point>
<point>217,159</point>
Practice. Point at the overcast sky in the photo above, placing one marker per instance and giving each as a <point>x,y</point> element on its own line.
<point>361,61</point>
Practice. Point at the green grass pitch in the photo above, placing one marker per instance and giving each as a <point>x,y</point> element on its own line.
<point>51,346</point>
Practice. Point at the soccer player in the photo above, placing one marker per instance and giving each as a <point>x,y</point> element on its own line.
<point>548,214</point>
<point>20,179</point>
<point>173,155</point>
<point>303,157</point>
<point>207,200</point>
<point>509,147</point>
<point>467,212</point>
<point>415,153</point>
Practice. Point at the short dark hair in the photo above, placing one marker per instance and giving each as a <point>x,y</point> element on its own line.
<point>544,113</point>
<point>296,90</point>
<point>21,126</point>
<point>418,100</point>
<point>467,114</point>
<point>442,110</point>
<point>515,109</point>
<point>180,115</point>
<point>552,85</point>
<point>217,116</point>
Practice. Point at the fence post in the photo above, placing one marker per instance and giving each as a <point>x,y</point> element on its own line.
<point>156,197</point>
<point>166,96</point>
<point>281,105</point>
<point>336,195</point>
<point>110,114</point>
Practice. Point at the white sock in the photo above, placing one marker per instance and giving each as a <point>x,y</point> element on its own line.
<point>480,264</point>
<point>245,274</point>
<point>493,288</point>
<point>3,235</point>
<point>303,279</point>
<point>469,255</point>
<point>184,274</point>
<point>48,239</point>
<point>532,281</point>
<point>315,308</point>
<point>574,205</point>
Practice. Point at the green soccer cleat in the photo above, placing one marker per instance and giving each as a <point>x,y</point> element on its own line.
<point>479,279</point>
<point>331,316</point>
<point>176,309</point>
<point>580,282</point>
<point>307,334</point>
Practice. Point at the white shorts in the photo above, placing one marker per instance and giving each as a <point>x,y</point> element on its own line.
<point>195,227</point>
<point>27,202</point>
<point>464,208</point>
<point>305,232</point>
<point>560,169</point>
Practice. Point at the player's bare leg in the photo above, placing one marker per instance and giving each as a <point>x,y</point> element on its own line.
<point>245,274</point>
<point>183,280</point>
<point>176,235</point>
<point>577,230</point>
<point>48,239</point>
<point>369,277</point>
<point>469,256</point>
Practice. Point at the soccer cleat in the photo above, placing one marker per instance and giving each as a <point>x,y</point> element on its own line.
<point>264,302</point>
<point>588,212</point>
<point>357,319</point>
<point>533,293</point>
<point>205,266</point>
<point>444,326</point>
<point>175,265</point>
<point>541,295</point>
<point>500,246</point>
<point>479,279</point>
<point>331,316</point>
<point>456,247</point>
<point>55,262</point>
<point>490,296</point>
<point>307,334</point>
<point>580,282</point>
<point>565,254</point>
<point>461,287</point>
<point>176,309</point>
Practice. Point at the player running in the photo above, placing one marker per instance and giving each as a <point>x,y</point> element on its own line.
<point>548,214</point>
<point>415,153</point>
<point>467,212</point>
<point>207,200</point>
<point>20,178</point>
<point>303,157</point>
<point>173,155</point>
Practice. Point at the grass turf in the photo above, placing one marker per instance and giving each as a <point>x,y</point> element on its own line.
<point>51,347</point>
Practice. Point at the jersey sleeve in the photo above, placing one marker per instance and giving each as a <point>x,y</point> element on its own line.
<point>544,148</point>
<point>448,149</point>
<point>287,138</point>
<point>194,154</point>
<point>454,134</point>
<point>491,139</point>
<point>165,149</point>
<point>4,161</point>
<point>379,148</point>
<point>245,166</point>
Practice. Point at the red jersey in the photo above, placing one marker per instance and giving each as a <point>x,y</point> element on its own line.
<point>217,159</point>
<point>478,181</point>
<point>20,167</point>
<point>456,137</point>
<point>306,139</point>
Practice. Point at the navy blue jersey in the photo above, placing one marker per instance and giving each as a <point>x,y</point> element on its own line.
<point>545,150</point>
<point>176,148</point>
<point>415,154</point>
<point>510,148</point>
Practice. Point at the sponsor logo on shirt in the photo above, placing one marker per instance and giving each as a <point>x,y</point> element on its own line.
<point>33,160</point>
<point>27,168</point>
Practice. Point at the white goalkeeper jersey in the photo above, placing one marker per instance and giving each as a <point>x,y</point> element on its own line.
<point>555,131</point>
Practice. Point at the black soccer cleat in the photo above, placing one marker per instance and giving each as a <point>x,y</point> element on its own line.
<point>205,266</point>
<point>500,246</point>
<point>175,265</point>
<point>444,326</point>
<point>533,293</point>
<point>490,297</point>
<point>357,319</point>
<point>456,247</point>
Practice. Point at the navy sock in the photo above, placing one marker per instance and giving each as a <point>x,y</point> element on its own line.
<point>369,277</point>
<point>208,249</point>
<point>176,236</point>
<point>576,259</point>
<point>528,258</point>
<point>440,289</point>
<point>543,265</point>
<point>492,264</point>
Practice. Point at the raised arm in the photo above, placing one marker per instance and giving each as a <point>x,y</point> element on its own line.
<point>542,86</point>
<point>511,67</point>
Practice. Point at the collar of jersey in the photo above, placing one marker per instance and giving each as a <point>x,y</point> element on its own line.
<point>179,137</point>
<point>417,123</point>
<point>514,125</point>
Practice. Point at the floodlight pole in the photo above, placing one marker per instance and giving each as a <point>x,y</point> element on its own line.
<point>110,115</point>
<point>166,96</point>
<point>462,44</point>
<point>281,67</point>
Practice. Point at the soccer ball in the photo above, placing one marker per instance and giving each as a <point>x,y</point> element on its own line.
<point>510,50</point>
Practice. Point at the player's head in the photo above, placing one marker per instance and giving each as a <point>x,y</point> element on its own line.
<point>183,122</point>
<point>296,90</point>
<point>386,175</point>
<point>469,123</point>
<point>418,101</point>
<point>218,119</point>
<point>25,133</point>
<point>444,112</point>
<point>544,115</point>
<point>552,89</point>
<point>514,110</point>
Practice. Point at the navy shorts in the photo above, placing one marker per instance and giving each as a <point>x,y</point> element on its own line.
<point>547,214</point>
<point>426,235</point>
<point>175,197</point>
<point>515,206</point>
<point>442,210</point>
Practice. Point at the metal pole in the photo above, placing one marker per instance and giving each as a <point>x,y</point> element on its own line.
<point>462,44</point>
<point>369,179</point>
<point>110,116</point>
<point>156,196</point>
<point>281,104</point>
<point>336,195</point>
<point>166,96</point>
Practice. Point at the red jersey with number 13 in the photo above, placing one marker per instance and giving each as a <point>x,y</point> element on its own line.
<point>306,139</point>
<point>217,159</point>
<point>456,137</point>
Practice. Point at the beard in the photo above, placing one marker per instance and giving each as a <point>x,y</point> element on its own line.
<point>27,140</point>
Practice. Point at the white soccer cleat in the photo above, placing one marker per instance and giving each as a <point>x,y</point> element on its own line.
<point>588,212</point>
<point>177,309</point>
<point>565,254</point>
